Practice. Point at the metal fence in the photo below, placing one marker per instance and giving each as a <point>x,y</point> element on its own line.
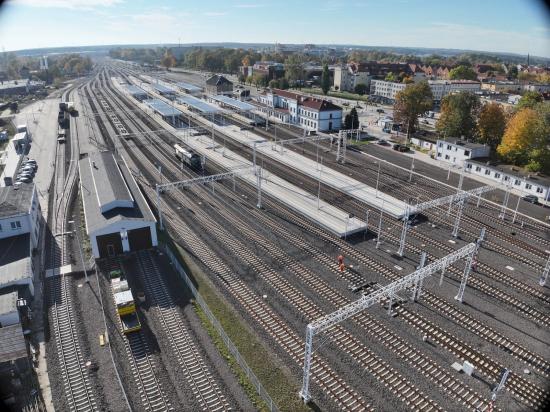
<point>226,340</point>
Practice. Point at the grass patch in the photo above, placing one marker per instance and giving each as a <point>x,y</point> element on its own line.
<point>250,391</point>
<point>276,379</point>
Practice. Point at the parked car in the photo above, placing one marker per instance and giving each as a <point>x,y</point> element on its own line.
<point>380,111</point>
<point>396,146</point>
<point>383,142</point>
<point>24,179</point>
<point>531,199</point>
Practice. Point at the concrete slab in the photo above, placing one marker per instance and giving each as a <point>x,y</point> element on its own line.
<point>63,270</point>
<point>329,217</point>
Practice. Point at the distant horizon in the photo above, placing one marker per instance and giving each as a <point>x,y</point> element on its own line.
<point>493,26</point>
<point>428,50</point>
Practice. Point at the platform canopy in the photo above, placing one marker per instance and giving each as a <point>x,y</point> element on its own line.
<point>135,90</point>
<point>162,89</point>
<point>162,108</point>
<point>234,103</point>
<point>197,104</point>
<point>188,87</point>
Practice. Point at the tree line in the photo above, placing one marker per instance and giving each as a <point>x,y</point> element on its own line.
<point>520,135</point>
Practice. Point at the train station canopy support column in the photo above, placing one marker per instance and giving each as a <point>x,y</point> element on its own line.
<point>165,187</point>
<point>387,292</point>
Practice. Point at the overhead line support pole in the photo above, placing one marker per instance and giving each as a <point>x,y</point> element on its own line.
<point>468,267</point>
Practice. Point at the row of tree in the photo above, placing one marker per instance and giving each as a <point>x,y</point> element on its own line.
<point>520,136</point>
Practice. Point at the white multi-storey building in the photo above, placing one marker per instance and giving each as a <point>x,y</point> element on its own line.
<point>439,88</point>
<point>20,222</point>
<point>308,112</point>
<point>387,90</point>
<point>20,212</point>
<point>346,77</point>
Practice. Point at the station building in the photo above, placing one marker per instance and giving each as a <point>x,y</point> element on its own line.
<point>310,113</point>
<point>218,84</point>
<point>118,218</point>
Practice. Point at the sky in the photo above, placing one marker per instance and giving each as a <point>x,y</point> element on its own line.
<point>516,26</point>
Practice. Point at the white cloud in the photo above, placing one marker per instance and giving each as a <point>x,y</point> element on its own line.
<point>215,13</point>
<point>67,4</point>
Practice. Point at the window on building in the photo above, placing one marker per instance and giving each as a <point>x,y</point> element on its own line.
<point>448,147</point>
<point>330,117</point>
<point>539,189</point>
<point>506,178</point>
<point>478,168</point>
<point>16,225</point>
<point>446,157</point>
<point>466,153</point>
<point>517,182</point>
<point>528,186</point>
<point>0,228</point>
<point>487,172</point>
<point>469,166</point>
<point>440,144</point>
<point>497,175</point>
<point>438,154</point>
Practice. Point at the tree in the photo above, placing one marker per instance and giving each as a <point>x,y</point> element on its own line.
<point>520,137</point>
<point>294,68</point>
<point>513,72</point>
<point>491,124</point>
<point>283,83</point>
<point>390,77</point>
<point>529,100</point>
<point>411,103</point>
<point>351,121</point>
<point>458,115</point>
<point>325,80</point>
<point>274,84</point>
<point>168,60</point>
<point>462,73</point>
<point>361,89</point>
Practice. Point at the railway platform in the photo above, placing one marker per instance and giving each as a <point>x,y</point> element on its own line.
<point>329,217</point>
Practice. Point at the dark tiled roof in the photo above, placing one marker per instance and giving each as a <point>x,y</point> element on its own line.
<point>12,343</point>
<point>15,201</point>
<point>216,80</point>
<point>15,259</point>
<point>306,101</point>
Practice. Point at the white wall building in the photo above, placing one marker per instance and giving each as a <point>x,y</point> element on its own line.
<point>308,112</point>
<point>458,151</point>
<point>506,175</point>
<point>387,90</point>
<point>20,212</point>
<point>118,218</point>
<point>440,88</point>
<point>346,77</point>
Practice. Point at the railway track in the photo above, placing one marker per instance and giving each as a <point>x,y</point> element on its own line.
<point>333,386</point>
<point>400,387</point>
<point>151,393</point>
<point>518,352</point>
<point>202,383</point>
<point>77,388</point>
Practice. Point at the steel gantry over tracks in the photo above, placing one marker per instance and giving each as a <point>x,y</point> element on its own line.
<point>165,187</point>
<point>413,280</point>
<point>458,198</point>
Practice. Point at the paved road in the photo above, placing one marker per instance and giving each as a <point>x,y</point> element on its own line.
<point>41,120</point>
<point>438,173</point>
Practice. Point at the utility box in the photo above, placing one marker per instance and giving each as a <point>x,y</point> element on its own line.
<point>468,368</point>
